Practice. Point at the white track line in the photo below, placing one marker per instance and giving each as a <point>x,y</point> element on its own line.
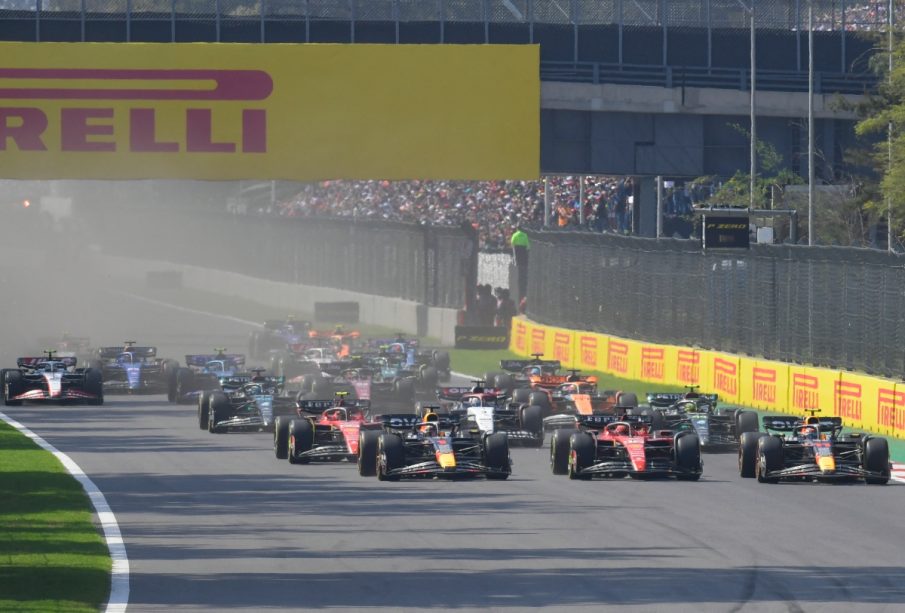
<point>177,307</point>
<point>119,580</point>
<point>898,472</point>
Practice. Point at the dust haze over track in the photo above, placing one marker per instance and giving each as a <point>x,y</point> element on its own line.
<point>214,522</point>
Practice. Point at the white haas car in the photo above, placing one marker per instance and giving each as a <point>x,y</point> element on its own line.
<point>51,379</point>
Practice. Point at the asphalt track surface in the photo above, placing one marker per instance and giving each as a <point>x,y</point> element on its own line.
<point>214,522</point>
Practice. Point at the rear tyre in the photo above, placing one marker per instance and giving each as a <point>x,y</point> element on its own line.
<point>405,390</point>
<point>541,399</point>
<point>308,383</point>
<point>322,388</point>
<point>876,459</point>
<point>301,439</point>
<point>582,451</point>
<point>94,385</point>
<point>688,457</point>
<point>218,411</point>
<point>281,437</point>
<point>745,421</point>
<point>627,400</point>
<point>769,458</point>
<point>533,421</point>
<point>747,454</point>
<point>203,408</point>
<point>521,395</point>
<point>185,384</point>
<point>496,456</point>
<point>367,452</point>
<point>490,378</point>
<point>441,361</point>
<point>390,456</point>
<point>12,387</point>
<point>559,450</point>
<point>429,378</point>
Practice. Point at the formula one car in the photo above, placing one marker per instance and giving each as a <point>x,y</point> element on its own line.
<point>431,448</point>
<point>50,379</point>
<point>246,403</point>
<point>490,410</point>
<point>326,430</point>
<point>717,428</point>
<point>203,372</point>
<point>614,446</point>
<point>131,369</point>
<point>522,374</point>
<point>812,449</point>
<point>277,334</point>
<point>428,365</point>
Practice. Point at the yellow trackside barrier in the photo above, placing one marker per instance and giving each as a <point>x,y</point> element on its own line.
<point>862,401</point>
<point>764,385</point>
<point>591,350</point>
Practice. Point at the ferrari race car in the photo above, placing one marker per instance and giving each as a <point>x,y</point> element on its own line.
<point>203,372</point>
<point>431,448</point>
<point>717,428</point>
<point>812,449</point>
<point>326,430</point>
<point>50,379</point>
<point>131,369</point>
<point>245,403</point>
<point>614,446</point>
<point>490,411</point>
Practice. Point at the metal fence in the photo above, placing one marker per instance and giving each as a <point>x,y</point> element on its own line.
<point>828,306</point>
<point>426,264</point>
<point>678,33</point>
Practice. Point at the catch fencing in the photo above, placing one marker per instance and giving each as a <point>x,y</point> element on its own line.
<point>430,265</point>
<point>827,306</point>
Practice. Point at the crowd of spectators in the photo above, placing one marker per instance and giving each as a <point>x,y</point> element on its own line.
<point>495,208</point>
<point>858,17</point>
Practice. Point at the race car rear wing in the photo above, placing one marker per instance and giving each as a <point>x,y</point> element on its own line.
<point>597,421</point>
<point>519,365</point>
<point>456,393</point>
<point>235,380</point>
<point>107,353</point>
<point>319,406</point>
<point>666,400</point>
<point>28,362</point>
<point>398,421</point>
<point>781,423</point>
<point>237,360</point>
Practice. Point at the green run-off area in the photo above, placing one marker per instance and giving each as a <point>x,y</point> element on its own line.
<point>52,556</point>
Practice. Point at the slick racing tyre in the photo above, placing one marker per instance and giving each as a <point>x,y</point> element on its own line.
<point>521,395</point>
<point>496,456</point>
<point>559,450</point>
<point>504,382</point>
<point>490,378</point>
<point>203,408</point>
<point>876,459</point>
<point>582,452</point>
<point>541,399</point>
<point>405,389</point>
<point>367,452</point>
<point>185,384</point>
<point>94,385</point>
<point>391,456</point>
<point>12,387</point>
<point>429,378</point>
<point>628,400</point>
<point>218,411</point>
<point>301,439</point>
<point>745,421</point>
<point>687,449</point>
<point>747,454</point>
<point>532,418</point>
<point>281,437</point>
<point>769,458</point>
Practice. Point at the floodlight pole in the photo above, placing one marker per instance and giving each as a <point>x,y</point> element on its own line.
<point>753,143</point>
<point>811,173</point>
<point>890,22</point>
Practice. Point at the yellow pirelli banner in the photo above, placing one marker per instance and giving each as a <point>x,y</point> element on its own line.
<point>268,111</point>
<point>862,401</point>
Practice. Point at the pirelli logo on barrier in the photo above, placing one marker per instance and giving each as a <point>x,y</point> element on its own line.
<point>725,376</point>
<point>521,333</point>
<point>764,385</point>
<point>587,345</point>
<point>847,400</point>
<point>302,112</point>
<point>562,347</point>
<point>805,392</point>
<point>891,409</point>
<point>538,341</point>
<point>617,357</point>
<point>653,363</point>
<point>689,366</point>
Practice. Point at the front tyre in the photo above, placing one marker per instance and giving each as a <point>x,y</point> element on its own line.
<point>367,452</point>
<point>582,453</point>
<point>496,456</point>
<point>301,439</point>
<point>281,437</point>
<point>390,456</point>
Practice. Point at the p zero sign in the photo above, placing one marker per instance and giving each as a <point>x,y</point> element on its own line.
<point>295,112</point>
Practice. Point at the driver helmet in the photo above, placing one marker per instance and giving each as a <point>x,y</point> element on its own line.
<point>807,432</point>
<point>474,402</point>
<point>621,430</point>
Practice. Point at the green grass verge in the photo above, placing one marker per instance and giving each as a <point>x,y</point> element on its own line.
<point>476,362</point>
<point>52,556</point>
